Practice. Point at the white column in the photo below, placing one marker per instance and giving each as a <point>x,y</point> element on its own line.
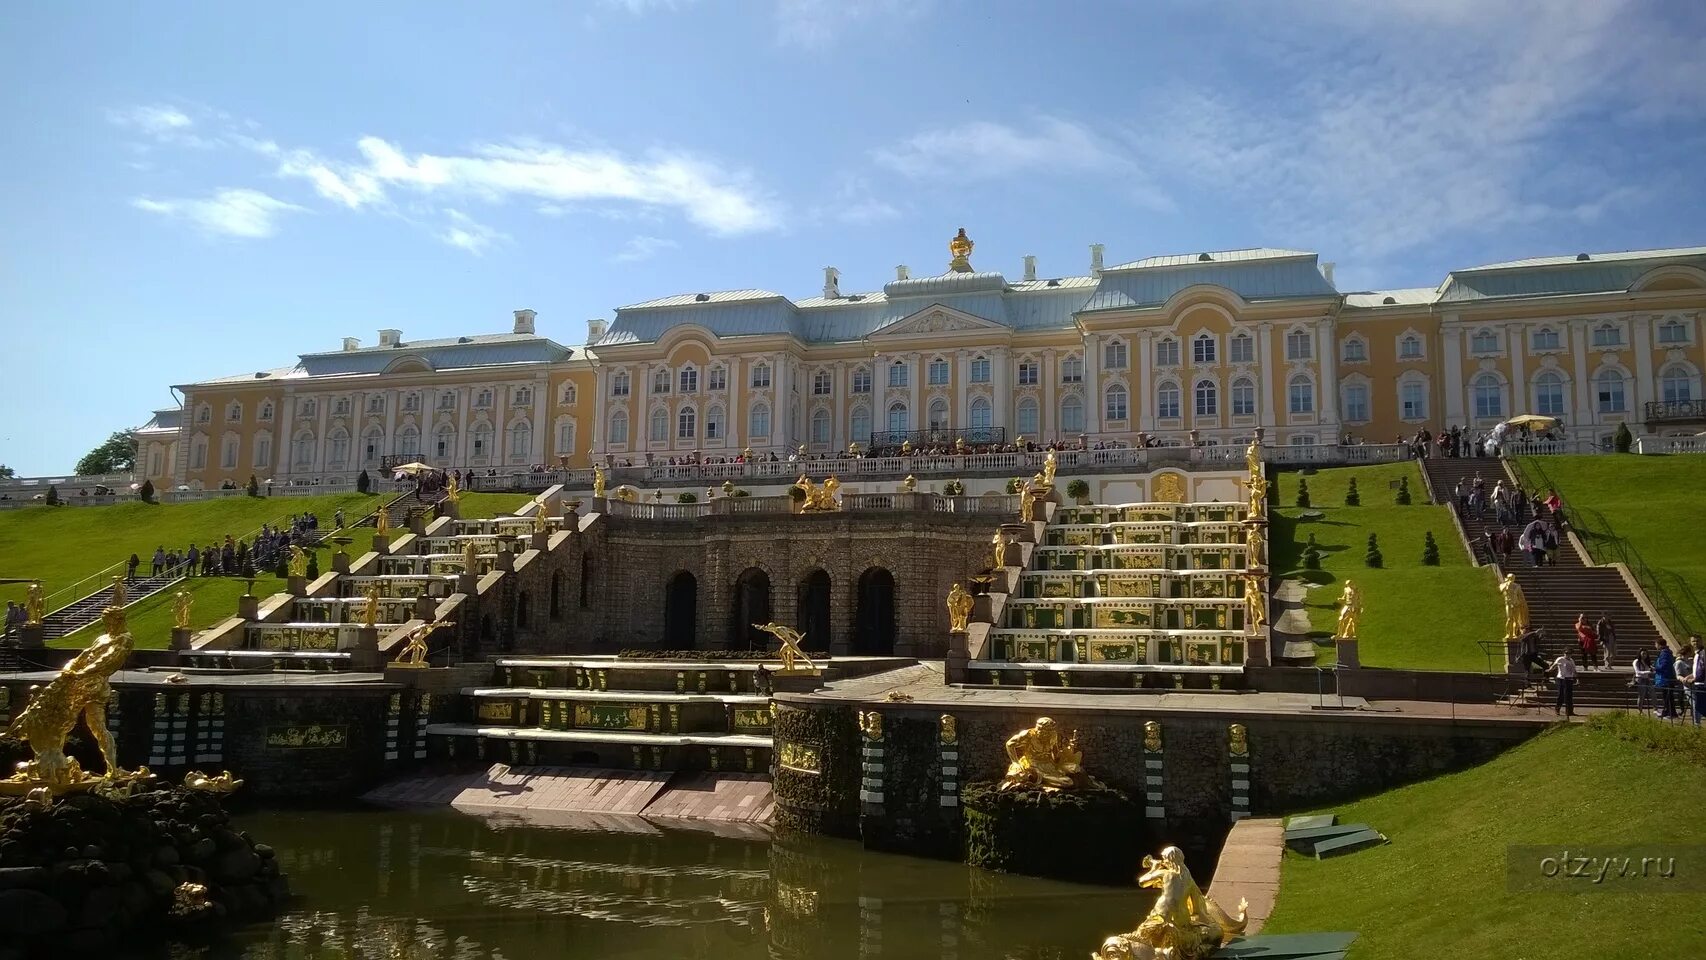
<point>1451,365</point>
<point>600,408</point>
<point>1644,388</point>
<point>961,400</point>
<point>1092,385</point>
<point>460,456</point>
<point>1047,377</point>
<point>1266,407</point>
<point>1585,413</point>
<point>499,454</point>
<point>541,387</point>
<point>736,434</point>
<point>1141,396</point>
<point>323,404</point>
<point>841,385</point>
<point>1517,345</point>
<point>916,415</point>
<point>1001,382</point>
<point>392,399</point>
<point>1329,361</point>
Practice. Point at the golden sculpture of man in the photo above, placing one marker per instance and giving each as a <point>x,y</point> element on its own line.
<point>539,518</point>
<point>1183,924</point>
<point>998,545</point>
<point>1516,607</point>
<point>470,559</point>
<point>1253,459</point>
<point>382,520</point>
<point>1255,603</point>
<point>414,653</point>
<point>181,602</point>
<point>35,605</point>
<point>1048,468</point>
<point>298,561</point>
<point>909,485</point>
<point>370,609</point>
<point>790,654</point>
<point>1027,504</point>
<point>1258,497</point>
<point>452,490</point>
<point>1253,543</point>
<point>80,691</point>
<point>598,481</point>
<point>960,602</point>
<point>1038,759</point>
<point>1350,612</point>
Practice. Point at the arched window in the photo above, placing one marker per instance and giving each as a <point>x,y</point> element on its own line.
<point>263,449</point>
<point>820,426</point>
<point>938,414</point>
<point>897,374</point>
<point>1676,384</point>
<point>1071,415</point>
<point>1410,347</point>
<point>1413,399</point>
<point>860,425</point>
<point>408,441</point>
<point>233,412</point>
<point>1114,403</point>
<point>565,438</point>
<point>658,429</point>
<point>1355,350</point>
<point>198,451</point>
<point>566,396</point>
<point>266,410</point>
<point>1489,396</point>
<point>1203,349</point>
<point>821,383</point>
<point>980,370</point>
<point>758,422</point>
<point>228,451</point>
<point>301,450</point>
<point>372,445</point>
<point>1242,349</point>
<point>717,380</point>
<point>1167,400</point>
<point>1114,356</point>
<point>1607,335</point>
<point>660,380</point>
<point>936,372</point>
<point>1484,341</point>
<point>862,380</point>
<point>1300,394</point>
<point>981,418</point>
<point>714,427</point>
<point>1549,394</point>
<point>1072,370</point>
<point>1243,397</point>
<point>1356,403</point>
<point>619,427</point>
<point>1207,396</point>
<point>337,447</point>
<point>1026,420</point>
<point>687,424</point>
<point>898,420</point>
<point>1545,338</point>
<point>444,442</point>
<point>619,383</point>
<point>482,436</point>
<point>1608,385</point>
<point>1299,345</point>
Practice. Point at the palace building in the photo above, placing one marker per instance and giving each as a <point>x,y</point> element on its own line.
<point>1199,347</point>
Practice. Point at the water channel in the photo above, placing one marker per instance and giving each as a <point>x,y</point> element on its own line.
<point>440,885</point>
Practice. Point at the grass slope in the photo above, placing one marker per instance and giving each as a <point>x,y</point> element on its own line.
<point>1642,498</point>
<point>1414,616</point>
<point>484,506</point>
<point>1440,887</point>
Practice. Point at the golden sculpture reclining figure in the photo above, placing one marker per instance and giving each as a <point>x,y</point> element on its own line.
<point>1184,923</point>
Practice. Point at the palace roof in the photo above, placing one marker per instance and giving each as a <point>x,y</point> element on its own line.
<point>1583,273</point>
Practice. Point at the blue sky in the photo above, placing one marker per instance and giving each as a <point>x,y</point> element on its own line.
<point>196,190</point>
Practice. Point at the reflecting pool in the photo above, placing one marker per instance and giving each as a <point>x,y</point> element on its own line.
<point>441,885</point>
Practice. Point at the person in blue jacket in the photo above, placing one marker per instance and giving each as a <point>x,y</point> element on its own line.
<point>1664,678</point>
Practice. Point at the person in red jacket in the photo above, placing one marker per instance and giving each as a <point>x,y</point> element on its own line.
<point>1589,639</point>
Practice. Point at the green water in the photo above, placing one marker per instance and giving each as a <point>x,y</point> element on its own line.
<point>386,885</point>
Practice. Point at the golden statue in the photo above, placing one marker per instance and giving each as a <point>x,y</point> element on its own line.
<point>628,494</point>
<point>1048,469</point>
<point>181,602</point>
<point>414,653</point>
<point>370,609</point>
<point>224,783</point>
<point>1238,740</point>
<point>597,481</point>
<point>119,598</point>
<point>1038,759</point>
<point>189,899</point>
<point>1027,503</point>
<point>382,521</point>
<point>1253,459</point>
<point>959,608</point>
<point>539,518</point>
<point>1258,498</point>
<point>1183,924</point>
<point>1516,607</point>
<point>818,498</point>
<point>905,447</point>
<point>947,729</point>
<point>871,725</point>
<point>1350,611</point>
<point>1152,736</point>
<point>998,545</point>
<point>81,691</point>
<point>1255,603</point>
<point>35,606</point>
<point>1253,543</point>
<point>452,490</point>
<point>791,654</point>
<point>960,249</point>
<point>298,561</point>
<point>470,559</point>
<point>909,484</point>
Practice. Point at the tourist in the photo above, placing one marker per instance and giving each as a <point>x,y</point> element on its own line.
<point>1565,670</point>
<point>1694,676</point>
<point>1528,653</point>
<point>1505,541</point>
<point>14,618</point>
<point>1607,632</point>
<point>1589,641</point>
<point>192,556</point>
<point>1551,544</point>
<point>1643,682</point>
<point>1664,679</point>
<point>134,562</point>
<point>338,518</point>
<point>159,559</point>
<point>1533,541</point>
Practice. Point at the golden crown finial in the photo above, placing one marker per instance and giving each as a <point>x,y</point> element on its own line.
<point>960,247</point>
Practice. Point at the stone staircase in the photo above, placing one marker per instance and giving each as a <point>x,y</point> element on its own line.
<point>1125,596</point>
<point>403,508</point>
<point>83,611</point>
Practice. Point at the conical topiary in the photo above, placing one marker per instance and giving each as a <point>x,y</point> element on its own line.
<point>1312,554</point>
<point>281,568</point>
<point>313,565</point>
<point>1403,498</point>
<point>1372,557</point>
<point>1303,493</point>
<point>1352,498</point>
<point>1430,551</point>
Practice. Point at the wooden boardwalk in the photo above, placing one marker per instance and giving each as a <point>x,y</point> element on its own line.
<point>578,793</point>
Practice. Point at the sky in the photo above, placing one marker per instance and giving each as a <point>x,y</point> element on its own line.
<point>198,190</point>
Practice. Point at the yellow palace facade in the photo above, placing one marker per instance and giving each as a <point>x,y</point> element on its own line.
<point>1202,347</point>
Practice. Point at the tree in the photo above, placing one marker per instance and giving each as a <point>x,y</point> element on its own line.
<point>146,491</point>
<point>1078,489</point>
<point>954,488</point>
<point>1352,498</point>
<point>52,495</point>
<point>1623,440</point>
<point>7,473</point>
<point>1312,554</point>
<point>115,455</point>
<point>1013,486</point>
<point>1430,551</point>
<point>1372,556</point>
<point>1403,498</point>
<point>362,482</point>
<point>1303,493</point>
<point>281,566</point>
<point>254,487</point>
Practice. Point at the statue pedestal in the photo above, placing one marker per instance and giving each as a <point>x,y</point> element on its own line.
<point>1347,654</point>
<point>1085,836</point>
<point>541,542</point>
<point>468,583</point>
<point>1513,657</point>
<point>450,508</point>
<point>433,680</point>
<point>181,637</point>
<point>31,637</point>
<point>364,649</point>
<point>249,607</point>
<point>296,585</point>
<point>796,681</point>
<point>417,524</point>
<point>340,562</point>
<point>958,656</point>
<point>1256,649</point>
<point>382,544</point>
<point>426,608</point>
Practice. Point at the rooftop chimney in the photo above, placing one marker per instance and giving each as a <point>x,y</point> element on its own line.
<point>524,321</point>
<point>831,283</point>
<point>903,272</point>
<point>1327,271</point>
<point>351,343</point>
<point>390,338</point>
<point>1030,267</point>
<point>1095,259</point>
<point>595,330</point>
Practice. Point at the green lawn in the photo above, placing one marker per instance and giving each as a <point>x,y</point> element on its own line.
<point>1414,616</point>
<point>1440,886</point>
<point>150,619</point>
<point>1642,498</point>
<point>484,506</point>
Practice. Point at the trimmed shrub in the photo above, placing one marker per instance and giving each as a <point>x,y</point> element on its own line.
<point>1352,497</point>
<point>1372,556</point>
<point>363,483</point>
<point>313,565</point>
<point>741,493</point>
<point>1312,554</point>
<point>147,491</point>
<point>1013,485</point>
<point>1303,493</point>
<point>796,494</point>
<point>954,488</point>
<point>253,488</point>
<point>1078,489</point>
<point>1430,551</point>
<point>1403,497</point>
<point>686,498</point>
<point>281,567</point>
<point>1623,440</point>
<point>52,495</point>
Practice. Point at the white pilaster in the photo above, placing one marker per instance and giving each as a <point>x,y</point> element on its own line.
<point>1092,385</point>
<point>1517,344</point>
<point>1643,389</point>
<point>1585,413</point>
<point>1001,384</point>
<point>1266,405</point>
<point>1451,364</point>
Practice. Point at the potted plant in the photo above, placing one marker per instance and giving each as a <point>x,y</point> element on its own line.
<point>686,498</point>
<point>1079,491</point>
<point>954,488</point>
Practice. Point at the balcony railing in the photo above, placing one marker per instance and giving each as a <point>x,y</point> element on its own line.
<point>1000,505</point>
<point>1670,411</point>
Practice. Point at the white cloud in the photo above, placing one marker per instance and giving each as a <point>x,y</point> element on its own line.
<point>231,212</point>
<point>816,24</point>
<point>464,232</point>
<point>155,120</point>
<point>347,185</point>
<point>643,248</point>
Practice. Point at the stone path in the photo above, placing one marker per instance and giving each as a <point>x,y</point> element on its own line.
<point>1249,869</point>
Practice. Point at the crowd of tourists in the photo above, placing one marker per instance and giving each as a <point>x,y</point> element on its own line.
<point>234,556</point>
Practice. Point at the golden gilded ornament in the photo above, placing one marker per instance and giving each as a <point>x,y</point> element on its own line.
<point>540,521</point>
<point>189,899</point>
<point>960,602</point>
<point>998,549</point>
<point>35,605</point>
<point>598,481</point>
<point>1258,491</point>
<point>1169,488</point>
<point>909,485</point>
<point>181,603</point>
<point>452,490</point>
<point>1184,923</point>
<point>1255,603</point>
<point>1038,758</point>
<point>221,784</point>
<point>959,248</point>
<point>947,729</point>
<point>1152,736</point>
<point>470,559</point>
<point>871,725</point>
<point>382,521</point>
<point>1253,459</point>
<point>818,498</point>
<point>414,652</point>
<point>1253,544</point>
<point>370,609</point>
<point>1516,607</point>
<point>1350,612</point>
<point>1048,468</point>
<point>1238,740</point>
<point>298,561</point>
<point>790,653</point>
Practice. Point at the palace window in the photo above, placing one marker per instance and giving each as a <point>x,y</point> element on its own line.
<point>714,424</point>
<point>1608,386</point>
<point>936,418</point>
<point>409,442</point>
<point>372,445</point>
<point>447,400</point>
<point>1243,398</point>
<point>1167,400</point>
<point>1242,349</point>
<point>717,380</point>
<point>619,383</point>
<point>1484,341</point>
<point>1549,394</point>
<point>265,415</point>
<point>1113,356</point>
<point>657,430</point>
<point>340,407</point>
<point>1114,403</point>
<point>1203,349</point>
<point>444,442</point>
<point>761,377</point>
<point>228,453</point>
<point>1167,353</point>
<point>897,374</point>
<point>862,380</point>
<point>979,370</point>
<point>1673,331</point>
<point>1071,415</point>
<point>1207,397</point>
<point>520,441</point>
<point>820,427</point>
<point>566,396</point>
<point>619,427</point>
<point>233,413</point>
<point>1354,350</point>
<point>1300,395</point>
<point>1356,402</point>
<point>1410,348</point>
<point>981,414</point>
<point>1025,419</point>
<point>301,450</point>
<point>937,373</point>
<point>1489,397</point>
<point>688,380</point>
<point>1544,338</point>
<point>660,381</point>
<point>1029,373</point>
<point>1072,370</point>
<point>482,441</point>
<point>898,420</point>
<point>523,396</point>
<point>566,438</point>
<point>822,383</point>
<point>337,449</point>
<point>1607,335</point>
<point>484,399</point>
<point>1299,345</point>
<point>860,425</point>
<point>411,402</point>
<point>686,424</point>
<point>1676,384</point>
<point>758,422</point>
<point>305,408</point>
<point>1413,400</point>
<point>376,404</point>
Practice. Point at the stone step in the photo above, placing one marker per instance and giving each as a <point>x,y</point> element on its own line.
<point>625,749</point>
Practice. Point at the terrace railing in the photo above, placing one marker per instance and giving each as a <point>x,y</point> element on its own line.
<point>1003,505</point>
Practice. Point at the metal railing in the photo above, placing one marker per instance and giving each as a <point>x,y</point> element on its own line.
<point>1002,505</point>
